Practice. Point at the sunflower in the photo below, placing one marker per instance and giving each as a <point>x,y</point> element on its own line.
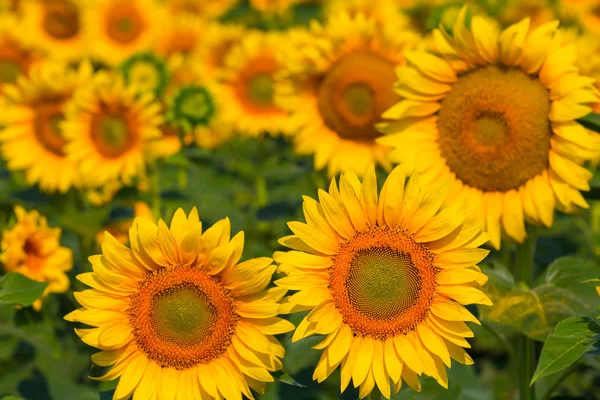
<point>32,139</point>
<point>204,9</point>
<point>177,316</point>
<point>385,13</point>
<point>336,85</point>
<point>109,128</point>
<point>15,56</point>
<point>588,62</point>
<point>116,29</point>
<point>33,249</point>
<point>218,41</point>
<point>385,277</point>
<point>55,26</point>
<point>539,12</point>
<point>273,6</point>
<point>120,229</point>
<point>495,113</point>
<point>146,72</point>
<point>585,13</point>
<point>247,84</point>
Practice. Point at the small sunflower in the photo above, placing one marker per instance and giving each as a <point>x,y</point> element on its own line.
<point>55,26</point>
<point>218,41</point>
<point>33,249</point>
<point>177,315</point>
<point>247,85</point>
<point>386,277</point>
<point>116,29</point>
<point>146,73</point>
<point>15,56</point>
<point>182,35</point>
<point>336,85</point>
<point>496,113</point>
<point>385,13</point>
<point>109,128</point>
<point>32,139</point>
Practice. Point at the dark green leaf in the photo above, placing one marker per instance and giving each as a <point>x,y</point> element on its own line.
<point>591,121</point>
<point>12,398</point>
<point>107,395</point>
<point>571,339</point>
<point>18,289</point>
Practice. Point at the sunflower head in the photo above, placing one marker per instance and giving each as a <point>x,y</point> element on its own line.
<point>338,85</point>
<point>217,43</point>
<point>146,73</point>
<point>177,314</point>
<point>109,126</point>
<point>16,57</point>
<point>386,276</point>
<point>190,106</point>
<point>495,112</point>
<point>32,248</point>
<point>33,139</point>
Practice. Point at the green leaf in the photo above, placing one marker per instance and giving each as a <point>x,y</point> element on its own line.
<point>283,377</point>
<point>591,121</point>
<point>12,398</point>
<point>571,339</point>
<point>18,289</point>
<point>535,312</point>
<point>107,395</point>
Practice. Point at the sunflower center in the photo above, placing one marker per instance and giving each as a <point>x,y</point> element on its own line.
<point>182,317</point>
<point>61,19</point>
<point>383,282</point>
<point>260,89</point>
<point>124,23</point>
<point>254,87</point>
<point>9,71</point>
<point>48,117</point>
<point>144,76</point>
<point>355,92</point>
<point>195,104</point>
<point>112,134</point>
<point>494,131</point>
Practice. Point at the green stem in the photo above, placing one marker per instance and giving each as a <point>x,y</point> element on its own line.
<point>507,345</point>
<point>525,354</point>
<point>558,380</point>
<point>182,178</point>
<point>375,395</point>
<point>155,191</point>
<point>505,255</point>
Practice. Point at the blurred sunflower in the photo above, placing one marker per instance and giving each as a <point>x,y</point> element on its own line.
<point>495,113</point>
<point>109,128</point>
<point>273,6</point>
<point>120,229</point>
<point>247,85</point>
<point>32,139</point>
<point>336,85</point>
<point>588,61</point>
<point>538,11</point>
<point>55,26</point>
<point>176,315</point>
<point>15,57</point>
<point>218,41</point>
<point>208,10</point>
<point>33,249</point>
<point>386,13</point>
<point>386,278</point>
<point>116,29</point>
<point>585,13</point>
<point>145,72</point>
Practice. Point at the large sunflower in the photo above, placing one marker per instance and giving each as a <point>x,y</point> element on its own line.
<point>33,249</point>
<point>55,26</point>
<point>176,315</point>
<point>386,277</point>
<point>247,84</point>
<point>32,139</point>
<point>116,29</point>
<point>109,129</point>
<point>336,85</point>
<point>495,113</point>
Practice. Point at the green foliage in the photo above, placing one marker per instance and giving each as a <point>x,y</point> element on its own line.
<point>18,289</point>
<point>571,339</point>
<point>560,294</point>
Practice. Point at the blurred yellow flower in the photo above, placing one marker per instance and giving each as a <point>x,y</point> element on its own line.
<point>33,249</point>
<point>386,276</point>
<point>33,139</point>
<point>495,112</point>
<point>336,84</point>
<point>212,9</point>
<point>177,315</point>
<point>120,229</point>
<point>109,129</point>
<point>15,57</point>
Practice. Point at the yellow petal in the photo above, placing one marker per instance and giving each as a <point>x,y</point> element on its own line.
<point>432,66</point>
<point>512,216</point>
<point>363,361</point>
<point>433,343</point>
<point>336,215</point>
<point>131,377</point>
<point>391,198</point>
<point>461,257</point>
<point>452,311</point>
<point>349,362</point>
<point>382,378</point>
<point>407,352</point>
<point>314,238</point>
<point>512,40</point>
<point>341,345</point>
<point>464,294</point>
<point>392,360</point>
<point>368,196</point>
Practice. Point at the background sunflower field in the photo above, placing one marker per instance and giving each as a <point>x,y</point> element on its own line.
<point>116,109</point>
